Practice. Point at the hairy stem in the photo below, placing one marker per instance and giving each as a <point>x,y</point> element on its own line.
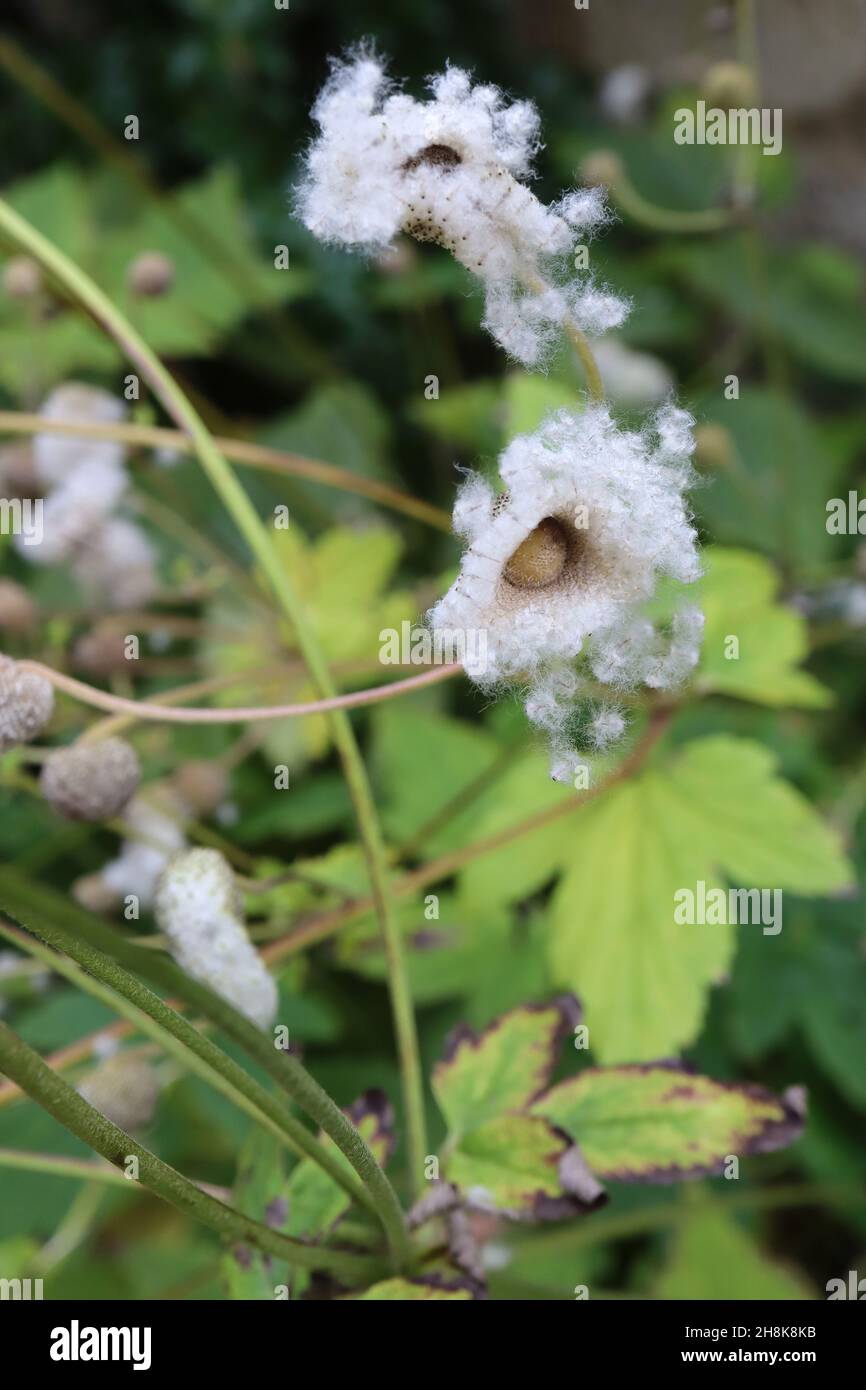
<point>28,903</point>
<point>26,1067</point>
<point>115,987</point>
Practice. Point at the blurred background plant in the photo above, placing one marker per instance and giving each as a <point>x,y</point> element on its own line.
<point>737,264</point>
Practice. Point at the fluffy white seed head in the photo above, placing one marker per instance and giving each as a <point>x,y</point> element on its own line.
<point>125,1089</point>
<point>448,170</point>
<point>199,909</point>
<point>91,781</point>
<point>559,567</point>
<point>26,703</point>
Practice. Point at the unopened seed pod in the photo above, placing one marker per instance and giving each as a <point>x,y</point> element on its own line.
<point>150,274</point>
<point>91,781</point>
<point>26,703</point>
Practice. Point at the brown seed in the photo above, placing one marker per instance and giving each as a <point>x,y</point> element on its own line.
<point>540,559</point>
<point>440,156</point>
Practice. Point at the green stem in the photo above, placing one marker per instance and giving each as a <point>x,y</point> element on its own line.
<point>578,340</point>
<point>60,1167</point>
<point>659,219</point>
<point>24,1066</point>
<point>27,903</point>
<point>238,504</point>
<point>115,987</point>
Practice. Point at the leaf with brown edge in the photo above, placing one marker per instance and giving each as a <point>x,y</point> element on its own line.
<point>658,1122</point>
<point>316,1202</point>
<point>504,1068</point>
<point>510,1165</point>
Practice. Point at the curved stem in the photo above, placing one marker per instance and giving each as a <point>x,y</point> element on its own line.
<point>166,714</point>
<point>236,501</point>
<point>25,902</point>
<point>113,986</point>
<point>659,219</point>
<point>260,456</point>
<point>26,1067</point>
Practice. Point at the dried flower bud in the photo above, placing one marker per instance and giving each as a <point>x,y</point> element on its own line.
<point>22,278</point>
<point>101,651</point>
<point>150,274</point>
<point>91,781</point>
<point>18,612</point>
<point>198,907</point>
<point>125,1089</point>
<point>26,703</point>
<point>202,785</point>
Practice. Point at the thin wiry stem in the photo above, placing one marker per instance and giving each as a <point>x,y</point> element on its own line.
<point>245,714</point>
<point>239,451</point>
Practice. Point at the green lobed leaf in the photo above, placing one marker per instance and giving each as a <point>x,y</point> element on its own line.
<point>501,1070</point>
<point>716,809</point>
<point>659,1122</point>
<point>510,1163</point>
<point>737,595</point>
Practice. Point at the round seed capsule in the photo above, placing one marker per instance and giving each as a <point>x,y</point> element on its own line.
<point>540,559</point>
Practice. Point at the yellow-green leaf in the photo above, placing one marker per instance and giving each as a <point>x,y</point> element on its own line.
<point>659,1123</point>
<point>716,809</point>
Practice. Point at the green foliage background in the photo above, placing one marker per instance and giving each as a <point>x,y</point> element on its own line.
<point>760,779</point>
